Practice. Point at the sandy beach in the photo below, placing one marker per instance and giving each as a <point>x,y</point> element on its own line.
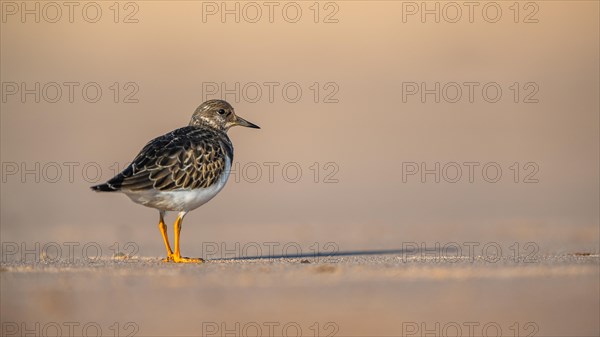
<point>422,168</point>
<point>353,295</point>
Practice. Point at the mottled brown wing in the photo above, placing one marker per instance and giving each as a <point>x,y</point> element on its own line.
<point>187,158</point>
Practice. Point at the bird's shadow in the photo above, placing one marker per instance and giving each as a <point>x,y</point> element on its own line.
<point>368,252</point>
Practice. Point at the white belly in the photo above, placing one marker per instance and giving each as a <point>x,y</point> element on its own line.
<point>180,200</point>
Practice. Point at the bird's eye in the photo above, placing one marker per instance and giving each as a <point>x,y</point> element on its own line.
<point>221,111</point>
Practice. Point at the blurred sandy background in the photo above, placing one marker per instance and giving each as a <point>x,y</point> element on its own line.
<point>170,54</point>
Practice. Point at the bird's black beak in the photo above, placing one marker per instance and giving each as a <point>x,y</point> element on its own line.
<point>242,122</point>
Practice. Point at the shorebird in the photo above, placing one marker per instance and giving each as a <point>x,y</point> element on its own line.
<point>181,170</point>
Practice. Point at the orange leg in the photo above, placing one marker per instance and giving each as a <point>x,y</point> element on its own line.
<point>163,230</point>
<point>177,254</point>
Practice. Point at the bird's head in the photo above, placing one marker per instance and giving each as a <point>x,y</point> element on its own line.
<point>218,114</point>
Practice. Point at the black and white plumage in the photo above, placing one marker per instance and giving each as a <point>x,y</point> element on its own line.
<point>183,169</point>
<point>185,159</point>
<point>178,171</point>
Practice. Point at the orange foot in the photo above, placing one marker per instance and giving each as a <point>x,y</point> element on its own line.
<point>180,259</point>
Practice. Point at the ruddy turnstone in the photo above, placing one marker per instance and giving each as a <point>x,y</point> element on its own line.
<point>183,169</point>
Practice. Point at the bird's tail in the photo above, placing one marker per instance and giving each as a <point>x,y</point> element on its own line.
<point>104,188</point>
